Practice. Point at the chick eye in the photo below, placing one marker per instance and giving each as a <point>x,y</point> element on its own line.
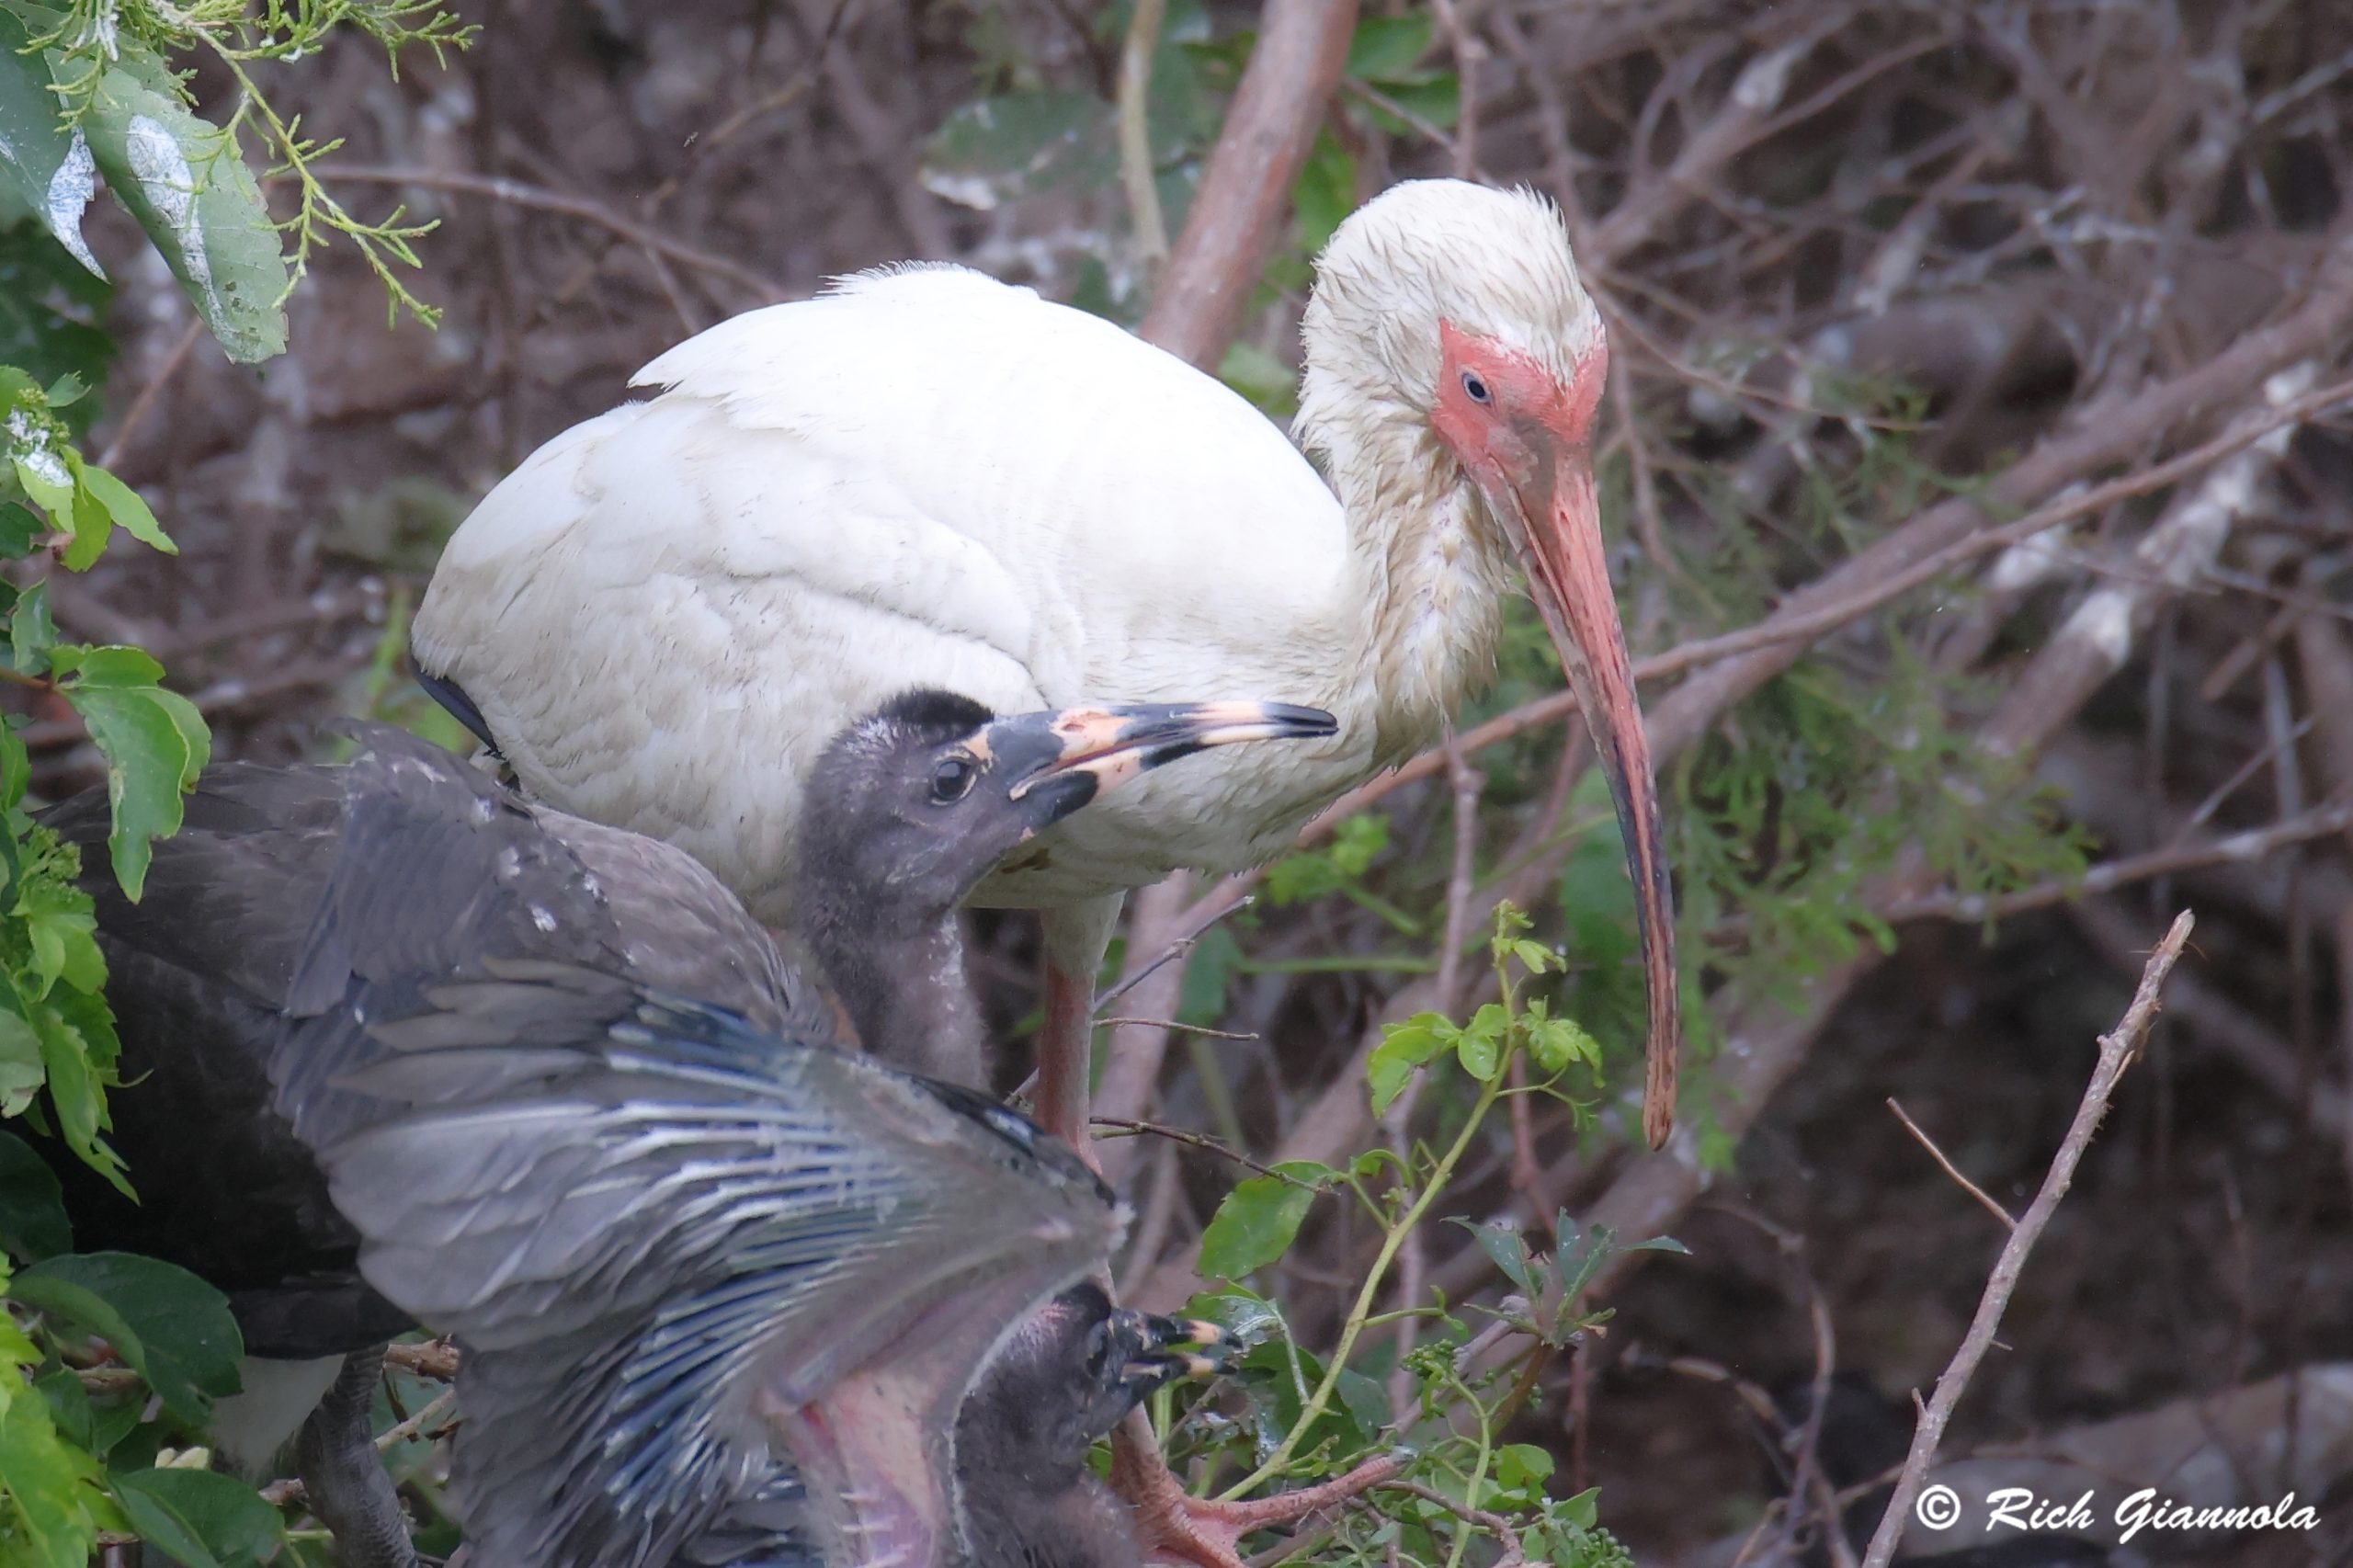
<point>952,778</point>
<point>1474,389</point>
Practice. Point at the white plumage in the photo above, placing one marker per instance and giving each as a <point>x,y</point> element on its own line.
<point>927,477</point>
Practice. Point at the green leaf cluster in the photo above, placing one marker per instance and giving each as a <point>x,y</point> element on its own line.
<point>1497,1032</point>
<point>88,90</point>
<point>80,1453</point>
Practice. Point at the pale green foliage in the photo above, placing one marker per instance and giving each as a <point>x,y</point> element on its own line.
<point>90,86</point>
<point>1313,1415</point>
<point>86,89</point>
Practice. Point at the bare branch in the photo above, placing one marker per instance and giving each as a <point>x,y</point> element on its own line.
<point>2117,1051</point>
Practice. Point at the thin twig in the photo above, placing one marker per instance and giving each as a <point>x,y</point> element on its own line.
<point>1245,190</point>
<point>2118,1049</point>
<point>1177,1026</point>
<point>436,1359</point>
<point>1469,55</point>
<point>1136,171</point>
<point>2246,847</point>
<point>1951,1169</point>
<point>539,198</point>
<point>136,415</point>
<point>394,1437</point>
<point>1191,1140</point>
<point>1200,914</point>
<point>1512,1554</point>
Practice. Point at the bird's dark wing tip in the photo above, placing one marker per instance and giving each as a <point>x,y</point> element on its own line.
<point>452,696</point>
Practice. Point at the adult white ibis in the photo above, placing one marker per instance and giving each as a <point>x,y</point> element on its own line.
<point>928,477</point>
<point>301,904</point>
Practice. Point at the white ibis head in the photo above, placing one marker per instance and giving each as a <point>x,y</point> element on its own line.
<point>1449,329</point>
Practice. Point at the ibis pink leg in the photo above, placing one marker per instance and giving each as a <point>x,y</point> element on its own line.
<point>1066,1055</point>
<point>1171,1526</point>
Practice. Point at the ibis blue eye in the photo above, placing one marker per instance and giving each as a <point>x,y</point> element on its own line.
<point>1474,389</point>
<point>953,779</point>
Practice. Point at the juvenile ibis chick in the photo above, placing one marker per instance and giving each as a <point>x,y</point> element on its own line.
<point>910,807</point>
<point>729,1299</point>
<point>298,904</point>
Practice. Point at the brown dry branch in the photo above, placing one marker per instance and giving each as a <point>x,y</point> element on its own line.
<point>2254,845</point>
<point>1245,195</point>
<point>2201,1011</point>
<point>1761,1050</point>
<point>538,198</point>
<point>2117,1051</point>
<point>1944,1165</point>
<point>1136,171</point>
<point>436,1359</point>
<point>1760,1053</point>
<point>1494,1524</point>
<point>1131,1063</point>
<point>2116,434</point>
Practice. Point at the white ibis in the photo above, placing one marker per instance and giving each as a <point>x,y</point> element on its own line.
<point>927,477</point>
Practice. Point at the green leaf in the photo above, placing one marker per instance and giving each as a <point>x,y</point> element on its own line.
<point>1257,1221</point>
<point>49,312</point>
<point>1359,841</point>
<point>124,506</point>
<point>56,1508</point>
<point>1658,1243</point>
<point>1436,102</point>
<point>32,1206</point>
<point>1325,193</point>
<point>1208,970</point>
<point>168,1324</point>
<point>1507,1250</point>
<point>46,478</point>
<point>1365,1400</point>
<point>43,163</point>
<point>1557,1043</point>
<point>93,525</point>
<point>1385,48</point>
<point>78,1050</point>
<point>201,1518</point>
<point>21,1073</point>
<point>31,631</point>
<point>1480,1047</point>
<point>19,526</point>
<point>155,743</point>
<point>1259,376</point>
<point>185,184</point>
<point>989,152</point>
<point>1403,1048</point>
<point>107,665</point>
<point>1535,957</point>
<point>1519,1466</point>
<point>69,1403</point>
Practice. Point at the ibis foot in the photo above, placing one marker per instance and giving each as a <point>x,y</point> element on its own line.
<point>1174,1526</point>
<point>343,1478</point>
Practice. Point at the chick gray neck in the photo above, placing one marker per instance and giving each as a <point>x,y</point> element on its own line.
<point>900,981</point>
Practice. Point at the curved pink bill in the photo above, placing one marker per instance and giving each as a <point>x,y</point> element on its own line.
<point>1558,538</point>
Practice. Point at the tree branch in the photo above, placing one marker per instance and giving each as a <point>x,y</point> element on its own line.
<point>2117,1051</point>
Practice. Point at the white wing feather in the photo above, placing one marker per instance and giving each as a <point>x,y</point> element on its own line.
<point>925,478</point>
